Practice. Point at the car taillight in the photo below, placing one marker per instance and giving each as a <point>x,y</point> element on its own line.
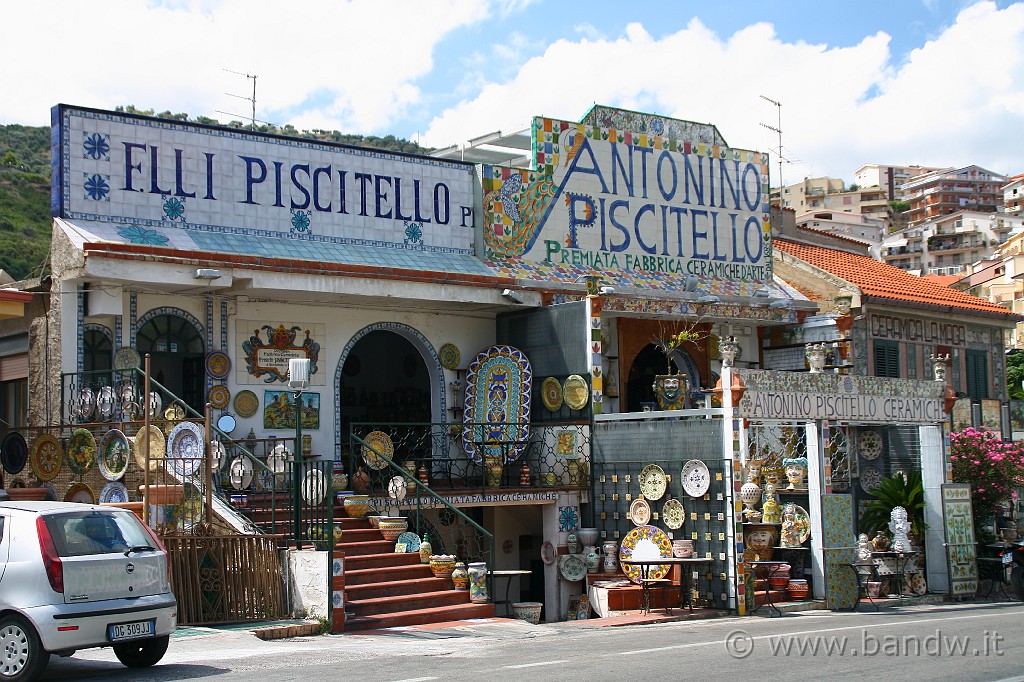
<point>159,545</point>
<point>51,561</point>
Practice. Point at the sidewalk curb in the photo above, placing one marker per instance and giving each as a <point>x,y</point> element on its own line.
<point>288,631</point>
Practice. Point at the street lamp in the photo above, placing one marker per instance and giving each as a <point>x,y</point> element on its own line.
<point>298,380</point>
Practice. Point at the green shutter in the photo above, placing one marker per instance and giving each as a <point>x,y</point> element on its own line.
<point>977,374</point>
<point>887,359</point>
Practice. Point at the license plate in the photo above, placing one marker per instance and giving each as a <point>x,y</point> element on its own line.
<point>140,628</point>
<point>1007,559</point>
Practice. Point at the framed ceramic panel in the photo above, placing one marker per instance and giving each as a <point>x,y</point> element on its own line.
<point>961,550</point>
<point>962,414</point>
<point>841,590</point>
<point>990,416</point>
<point>279,410</point>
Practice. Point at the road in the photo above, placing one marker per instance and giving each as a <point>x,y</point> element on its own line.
<point>937,642</point>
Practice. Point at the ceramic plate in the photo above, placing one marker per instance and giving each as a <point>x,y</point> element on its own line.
<point>83,404</point>
<point>246,403</point>
<point>381,442</point>
<point>639,512</point>
<point>127,358</point>
<point>645,542</point>
<point>218,364</point>
<point>869,444</point>
<point>240,473</point>
<point>174,412</point>
<point>265,480</point>
<point>576,392</point>
<point>410,540</point>
<point>47,457</point>
<point>803,523</point>
<point>14,452</point>
<point>547,553</point>
<point>551,394</point>
<point>129,396</point>
<point>185,448</point>
<point>115,491</point>
<point>217,453</point>
<point>80,492</point>
<point>314,487</point>
<point>870,477</point>
<point>673,514</point>
<point>81,451</point>
<point>572,567</point>
<point>219,396</point>
<point>653,482</point>
<point>106,403</point>
<point>696,478</point>
<point>157,447</point>
<point>114,454</point>
<point>226,423</point>
<point>449,356</point>
<point>278,458</point>
<point>397,489</point>
<point>155,403</point>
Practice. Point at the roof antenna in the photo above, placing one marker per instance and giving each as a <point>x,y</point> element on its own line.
<point>252,99</point>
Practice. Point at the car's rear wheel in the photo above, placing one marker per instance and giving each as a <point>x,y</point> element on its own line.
<point>22,656</point>
<point>142,653</point>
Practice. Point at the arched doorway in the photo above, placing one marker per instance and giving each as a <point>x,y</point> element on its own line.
<point>176,351</point>
<point>97,353</point>
<point>649,363</point>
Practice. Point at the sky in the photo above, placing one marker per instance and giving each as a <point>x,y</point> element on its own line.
<point>929,82</point>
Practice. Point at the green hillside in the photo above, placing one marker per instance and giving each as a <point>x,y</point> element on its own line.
<point>25,184</point>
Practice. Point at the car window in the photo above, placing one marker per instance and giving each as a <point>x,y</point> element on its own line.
<point>91,532</point>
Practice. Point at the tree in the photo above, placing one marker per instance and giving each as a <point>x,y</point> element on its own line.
<point>1015,374</point>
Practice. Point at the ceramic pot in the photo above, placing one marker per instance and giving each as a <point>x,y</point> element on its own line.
<point>611,556</point>
<point>750,494</point>
<point>873,588</point>
<point>492,471</point>
<point>374,520</point>
<point>442,565</point>
<point>670,391</point>
<point>321,536</point>
<point>588,536</point>
<point>29,494</point>
<point>779,580</point>
<point>478,583</point>
<point>425,550</point>
<point>762,539</point>
<point>881,542</point>
<point>357,505</point>
<point>797,589</point>
<point>339,479</point>
<point>360,482</point>
<point>593,560</point>
<point>682,549</point>
<point>527,610</point>
<point>391,528</point>
<point>460,576</point>
<point>163,494</point>
<point>549,479</point>
<point>572,543</point>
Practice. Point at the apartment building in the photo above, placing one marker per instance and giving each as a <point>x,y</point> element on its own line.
<point>947,191</point>
<point>1000,279</point>
<point>948,244</point>
<point>889,178</point>
<point>869,230</point>
<point>1013,195</point>
<point>831,194</point>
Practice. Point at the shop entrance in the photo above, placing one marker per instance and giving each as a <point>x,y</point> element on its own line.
<point>176,351</point>
<point>649,363</point>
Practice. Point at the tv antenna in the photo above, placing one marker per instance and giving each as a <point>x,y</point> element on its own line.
<point>252,100</point>
<point>778,130</point>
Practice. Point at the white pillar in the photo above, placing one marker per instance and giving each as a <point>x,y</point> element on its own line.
<point>933,475</point>
<point>815,487</point>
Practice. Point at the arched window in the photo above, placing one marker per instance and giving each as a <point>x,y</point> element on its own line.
<point>176,351</point>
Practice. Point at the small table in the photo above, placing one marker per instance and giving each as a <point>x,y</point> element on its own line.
<point>511,573</point>
<point>863,577</point>
<point>772,567</point>
<point>685,584</point>
<point>900,562</point>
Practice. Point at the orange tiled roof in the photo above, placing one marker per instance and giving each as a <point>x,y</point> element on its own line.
<point>879,280</point>
<point>944,280</point>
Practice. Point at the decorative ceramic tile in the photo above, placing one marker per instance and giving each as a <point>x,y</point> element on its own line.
<point>841,591</point>
<point>568,519</point>
<point>958,525</point>
<point>499,383</point>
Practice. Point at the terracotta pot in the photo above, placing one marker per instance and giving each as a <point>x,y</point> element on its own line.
<point>163,494</point>
<point>134,507</point>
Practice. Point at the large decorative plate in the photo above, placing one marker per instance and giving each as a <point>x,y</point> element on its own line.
<point>449,356</point>
<point>155,403</point>
<point>278,458</point>
<point>645,542</point>
<point>410,540</point>
<point>499,385</point>
<point>246,403</point>
<point>185,448</point>
<point>640,512</point>
<point>174,412</point>
<point>217,454</point>
<point>551,394</point>
<point>548,553</point>
<point>114,454</point>
<point>397,488</point>
<point>572,567</point>
<point>870,477</point>
<point>240,473</point>
<point>127,358</point>
<point>80,492</point>
<point>869,444</point>
<point>673,514</point>
<point>47,457</point>
<point>576,392</point>
<point>696,478</point>
<point>83,404</point>
<point>81,451</point>
<point>226,423</point>
<point>14,452</point>
<point>381,442</point>
<point>265,480</point>
<point>157,447</point>
<point>802,521</point>
<point>115,491</point>
<point>218,364</point>
<point>314,487</point>
<point>653,482</point>
<point>106,403</point>
<point>219,396</point>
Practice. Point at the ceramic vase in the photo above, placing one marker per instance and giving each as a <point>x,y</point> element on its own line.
<point>460,576</point>
<point>593,560</point>
<point>360,481</point>
<point>524,475</point>
<point>442,565</point>
<point>572,543</point>
<point>611,556</point>
<point>339,479</point>
<point>796,471</point>
<point>410,468</point>
<point>422,476</point>
<point>750,495</point>
<point>425,550</point>
<point>682,549</point>
<point>478,583</point>
<point>492,471</point>
<point>762,539</point>
<point>670,391</point>
<point>573,468</point>
<point>588,536</point>
<point>881,542</point>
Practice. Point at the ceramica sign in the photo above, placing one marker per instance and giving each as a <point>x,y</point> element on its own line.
<point>617,201</point>
<point>143,172</point>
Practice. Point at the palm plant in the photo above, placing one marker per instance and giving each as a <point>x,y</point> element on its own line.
<point>898,490</point>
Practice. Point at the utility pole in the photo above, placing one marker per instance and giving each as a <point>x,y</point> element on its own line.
<point>778,130</point>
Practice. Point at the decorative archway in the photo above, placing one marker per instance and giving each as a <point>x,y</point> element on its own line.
<point>174,339</point>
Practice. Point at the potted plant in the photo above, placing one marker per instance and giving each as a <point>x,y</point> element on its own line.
<point>670,388</point>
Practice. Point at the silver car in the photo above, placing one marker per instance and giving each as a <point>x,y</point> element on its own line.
<point>78,576</point>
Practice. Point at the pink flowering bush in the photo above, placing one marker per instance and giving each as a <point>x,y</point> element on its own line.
<point>992,468</point>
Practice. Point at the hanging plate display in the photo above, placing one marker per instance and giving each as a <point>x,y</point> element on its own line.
<point>217,453</point>
<point>127,358</point>
<point>246,403</point>
<point>551,394</point>
<point>157,447</point>
<point>174,412</point>
<point>14,452</point>
<point>802,521</point>
<point>381,442</point>
<point>314,487</point>
<point>185,448</point>
<point>576,392</point>
<point>653,482</point>
<point>226,423</point>
<point>240,473</point>
<point>155,403</point>
<point>548,553</point>
<point>106,403</point>
<point>870,477</point>
<point>81,451</point>
<point>265,480</point>
<point>218,364</point>
<point>114,454</point>
<point>640,512</point>
<point>869,444</point>
<point>278,458</point>
<point>47,457</point>
<point>643,543</point>
<point>83,404</point>
<point>397,488</point>
<point>410,540</point>
<point>673,514</point>
<point>496,421</point>
<point>696,478</point>
<point>80,492</point>
<point>219,396</point>
<point>115,491</point>
<point>572,567</point>
<point>449,356</point>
